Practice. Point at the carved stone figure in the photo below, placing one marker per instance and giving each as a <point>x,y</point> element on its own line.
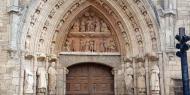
<point>41,45</point>
<point>154,80</point>
<point>83,24</point>
<point>141,49</point>
<point>103,46</point>
<point>141,81</point>
<point>41,81</point>
<point>120,81</point>
<point>34,19</point>
<point>68,45</point>
<point>55,35</point>
<point>82,45</point>
<point>90,25</point>
<point>128,75</point>
<point>28,82</point>
<point>104,27</point>
<point>27,44</point>
<point>92,45</point>
<point>76,26</point>
<point>97,24</point>
<point>112,46</point>
<point>52,79</point>
<point>52,49</point>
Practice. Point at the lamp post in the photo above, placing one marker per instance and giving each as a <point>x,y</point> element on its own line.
<point>183,38</point>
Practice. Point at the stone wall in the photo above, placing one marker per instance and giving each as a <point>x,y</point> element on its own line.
<point>5,70</point>
<point>176,14</point>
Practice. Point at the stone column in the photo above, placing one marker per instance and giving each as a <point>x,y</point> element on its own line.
<point>114,72</point>
<point>147,75</point>
<point>62,71</point>
<point>13,10</point>
<point>162,73</point>
<point>135,75</point>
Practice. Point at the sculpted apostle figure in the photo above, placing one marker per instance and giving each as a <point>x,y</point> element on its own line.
<point>52,79</point>
<point>154,79</point>
<point>28,82</point>
<point>128,75</point>
<point>41,81</point>
<point>141,81</point>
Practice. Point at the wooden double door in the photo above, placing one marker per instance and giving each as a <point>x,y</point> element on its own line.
<point>89,79</point>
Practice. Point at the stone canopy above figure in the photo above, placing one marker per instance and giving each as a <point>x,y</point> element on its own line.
<point>91,32</point>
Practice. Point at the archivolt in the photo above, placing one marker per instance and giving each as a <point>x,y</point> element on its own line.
<point>133,20</point>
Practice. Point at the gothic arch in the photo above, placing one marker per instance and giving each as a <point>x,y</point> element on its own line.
<point>50,16</point>
<point>47,24</point>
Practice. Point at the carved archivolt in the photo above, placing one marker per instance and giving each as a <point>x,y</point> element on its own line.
<point>55,10</point>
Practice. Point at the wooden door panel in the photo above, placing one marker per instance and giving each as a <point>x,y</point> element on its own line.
<point>89,79</point>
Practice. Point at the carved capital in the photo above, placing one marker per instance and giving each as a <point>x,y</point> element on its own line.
<point>41,56</point>
<point>29,56</point>
<point>152,56</point>
<point>139,58</point>
<point>52,58</point>
<point>127,59</point>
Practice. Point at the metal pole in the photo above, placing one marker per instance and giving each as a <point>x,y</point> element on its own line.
<point>184,63</point>
<point>185,76</point>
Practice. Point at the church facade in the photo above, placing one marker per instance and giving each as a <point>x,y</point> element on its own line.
<point>91,47</point>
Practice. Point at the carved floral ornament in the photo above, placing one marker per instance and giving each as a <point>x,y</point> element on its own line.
<point>58,6</point>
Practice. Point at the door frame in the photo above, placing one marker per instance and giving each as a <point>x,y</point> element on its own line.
<point>67,59</point>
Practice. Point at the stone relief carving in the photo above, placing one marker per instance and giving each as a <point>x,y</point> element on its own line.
<point>27,44</point>
<point>82,45</point>
<point>28,82</point>
<point>103,46</point>
<point>52,13</point>
<point>154,80</point>
<point>129,78</point>
<point>104,27</point>
<point>41,81</point>
<point>59,4</point>
<point>68,45</point>
<point>87,33</point>
<point>55,36</point>
<point>41,46</point>
<point>141,80</point>
<point>52,49</point>
<point>76,26</point>
<point>33,19</point>
<point>147,18</point>
<point>52,79</point>
<point>112,46</point>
